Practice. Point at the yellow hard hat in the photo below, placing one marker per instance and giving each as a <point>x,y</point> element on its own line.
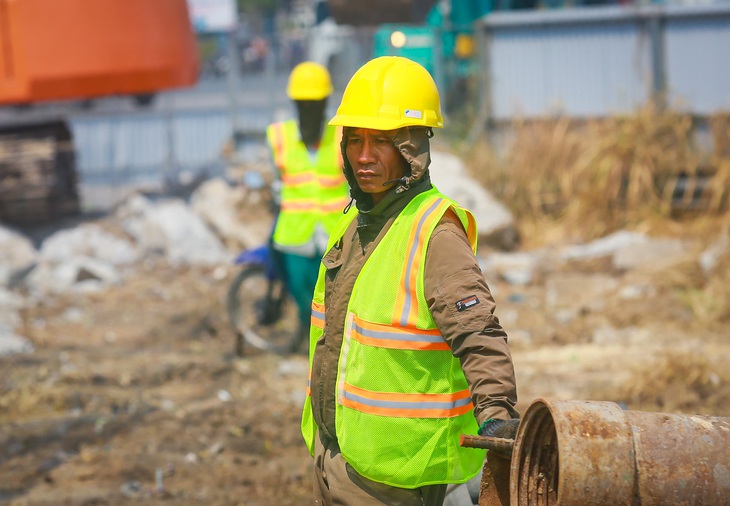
<point>387,93</point>
<point>309,81</point>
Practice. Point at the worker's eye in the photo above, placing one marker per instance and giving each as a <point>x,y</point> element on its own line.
<point>353,140</point>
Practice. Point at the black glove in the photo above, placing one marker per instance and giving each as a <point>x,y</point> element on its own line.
<point>505,429</point>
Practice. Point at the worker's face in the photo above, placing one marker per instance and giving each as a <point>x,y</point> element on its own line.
<point>374,160</point>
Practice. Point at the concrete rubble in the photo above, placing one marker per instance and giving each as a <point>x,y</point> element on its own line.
<point>494,221</point>
<point>18,255</point>
<point>210,230</point>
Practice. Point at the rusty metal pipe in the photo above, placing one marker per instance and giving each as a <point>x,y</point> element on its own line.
<point>494,489</point>
<point>487,443</point>
<point>583,453</point>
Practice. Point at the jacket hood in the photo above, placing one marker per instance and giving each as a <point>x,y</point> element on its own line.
<point>414,146</point>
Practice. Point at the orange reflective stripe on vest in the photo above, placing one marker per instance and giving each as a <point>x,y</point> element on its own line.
<point>330,181</point>
<point>308,205</point>
<point>278,144</point>
<point>406,308</point>
<point>407,405</point>
<point>317,318</point>
<point>297,179</point>
<point>336,205</point>
<point>397,338</point>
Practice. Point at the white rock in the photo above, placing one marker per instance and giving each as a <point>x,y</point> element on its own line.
<point>79,274</point>
<point>448,174</point>
<point>651,253</point>
<point>18,254</point>
<point>10,304</point>
<point>147,234</point>
<point>11,343</point>
<point>10,321</point>
<point>171,228</point>
<point>605,246</point>
<point>216,202</point>
<point>88,240</point>
<point>515,268</point>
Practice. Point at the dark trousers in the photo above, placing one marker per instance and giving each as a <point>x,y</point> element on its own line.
<point>337,483</point>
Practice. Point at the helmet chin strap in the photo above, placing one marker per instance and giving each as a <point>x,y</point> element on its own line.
<point>405,183</point>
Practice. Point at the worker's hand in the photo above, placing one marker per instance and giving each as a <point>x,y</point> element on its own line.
<point>505,429</point>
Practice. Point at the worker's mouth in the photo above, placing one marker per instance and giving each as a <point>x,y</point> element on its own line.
<point>367,175</point>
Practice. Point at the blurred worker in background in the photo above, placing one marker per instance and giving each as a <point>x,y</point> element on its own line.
<point>406,354</point>
<point>314,192</point>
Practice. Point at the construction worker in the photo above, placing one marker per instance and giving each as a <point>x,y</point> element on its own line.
<point>406,354</point>
<point>314,191</point>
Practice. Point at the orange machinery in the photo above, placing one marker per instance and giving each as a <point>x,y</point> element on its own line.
<point>71,49</point>
<point>54,50</point>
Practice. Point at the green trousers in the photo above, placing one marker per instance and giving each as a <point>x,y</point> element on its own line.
<point>301,275</point>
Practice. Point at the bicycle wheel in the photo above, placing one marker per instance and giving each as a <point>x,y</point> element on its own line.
<point>259,311</point>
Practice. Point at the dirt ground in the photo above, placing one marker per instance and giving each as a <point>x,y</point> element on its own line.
<point>134,395</point>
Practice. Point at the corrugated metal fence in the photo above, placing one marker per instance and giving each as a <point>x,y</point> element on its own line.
<point>597,61</point>
<point>120,153</point>
<point>137,146</point>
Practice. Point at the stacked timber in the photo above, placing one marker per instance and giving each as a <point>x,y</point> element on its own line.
<point>37,174</point>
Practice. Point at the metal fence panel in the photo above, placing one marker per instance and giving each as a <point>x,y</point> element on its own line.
<point>117,154</point>
<point>600,61</point>
<point>576,64</point>
<point>199,138</point>
<point>109,145</point>
<point>697,58</point>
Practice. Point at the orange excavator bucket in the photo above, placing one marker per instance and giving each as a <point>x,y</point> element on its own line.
<point>74,49</point>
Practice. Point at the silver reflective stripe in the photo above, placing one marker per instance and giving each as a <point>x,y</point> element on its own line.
<point>411,257</point>
<point>342,375</point>
<point>396,336</point>
<point>407,405</point>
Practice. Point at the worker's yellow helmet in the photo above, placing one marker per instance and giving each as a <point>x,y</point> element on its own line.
<point>390,92</point>
<point>309,81</point>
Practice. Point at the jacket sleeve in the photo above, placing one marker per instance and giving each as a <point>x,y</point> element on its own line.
<point>463,309</point>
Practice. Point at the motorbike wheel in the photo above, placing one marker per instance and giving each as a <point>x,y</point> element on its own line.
<point>260,313</point>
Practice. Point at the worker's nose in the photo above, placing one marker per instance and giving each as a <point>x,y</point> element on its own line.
<point>366,155</point>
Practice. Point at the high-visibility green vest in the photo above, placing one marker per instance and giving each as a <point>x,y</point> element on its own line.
<point>402,400</point>
<point>313,190</point>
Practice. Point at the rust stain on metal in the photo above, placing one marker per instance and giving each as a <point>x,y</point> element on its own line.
<point>583,453</point>
<point>494,488</point>
<point>487,443</point>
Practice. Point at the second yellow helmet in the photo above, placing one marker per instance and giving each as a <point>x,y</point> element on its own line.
<point>309,81</point>
<point>390,92</point>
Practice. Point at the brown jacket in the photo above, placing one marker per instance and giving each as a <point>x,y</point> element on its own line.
<point>452,274</point>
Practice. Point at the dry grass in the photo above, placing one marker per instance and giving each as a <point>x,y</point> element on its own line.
<point>581,180</point>
<point>680,381</point>
<point>571,181</point>
<point>710,301</point>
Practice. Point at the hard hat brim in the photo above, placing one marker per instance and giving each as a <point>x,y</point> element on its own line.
<point>369,122</point>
